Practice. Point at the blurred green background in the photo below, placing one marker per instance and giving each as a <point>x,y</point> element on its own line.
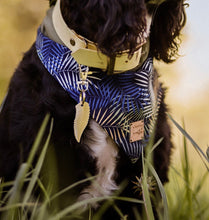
<point>187,79</point>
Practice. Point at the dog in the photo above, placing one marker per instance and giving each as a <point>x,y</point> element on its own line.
<point>91,68</point>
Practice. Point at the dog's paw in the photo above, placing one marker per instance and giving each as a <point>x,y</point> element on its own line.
<point>93,192</point>
<point>88,197</point>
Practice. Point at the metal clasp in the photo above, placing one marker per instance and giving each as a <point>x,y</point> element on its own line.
<point>83,84</point>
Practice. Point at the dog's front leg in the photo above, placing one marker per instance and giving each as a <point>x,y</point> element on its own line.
<point>105,151</point>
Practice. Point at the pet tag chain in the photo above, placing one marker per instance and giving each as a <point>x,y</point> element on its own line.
<point>82,108</point>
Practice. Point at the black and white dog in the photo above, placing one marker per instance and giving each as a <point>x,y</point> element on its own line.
<point>91,68</point>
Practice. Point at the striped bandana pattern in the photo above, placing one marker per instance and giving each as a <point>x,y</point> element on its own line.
<point>116,101</point>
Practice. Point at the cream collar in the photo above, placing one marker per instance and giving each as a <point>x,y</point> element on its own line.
<point>86,53</point>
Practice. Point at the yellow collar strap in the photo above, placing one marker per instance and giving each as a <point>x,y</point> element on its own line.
<point>86,53</point>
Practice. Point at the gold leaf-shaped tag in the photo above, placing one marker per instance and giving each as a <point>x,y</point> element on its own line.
<point>81,119</point>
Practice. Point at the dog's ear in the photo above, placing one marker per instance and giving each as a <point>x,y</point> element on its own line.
<point>52,2</point>
<point>168,20</point>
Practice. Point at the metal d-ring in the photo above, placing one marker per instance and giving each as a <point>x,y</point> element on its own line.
<point>82,98</point>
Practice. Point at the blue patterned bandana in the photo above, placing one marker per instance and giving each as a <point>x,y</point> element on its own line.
<point>118,103</point>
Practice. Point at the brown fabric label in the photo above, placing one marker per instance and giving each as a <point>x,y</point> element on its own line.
<point>136,131</point>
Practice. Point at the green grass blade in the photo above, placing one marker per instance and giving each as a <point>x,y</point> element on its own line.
<point>80,204</point>
<point>38,139</point>
<point>14,197</point>
<point>185,161</point>
<point>186,172</point>
<point>197,148</point>
<point>42,211</point>
<point>156,144</point>
<point>127,199</point>
<point>90,213</point>
<point>43,189</point>
<point>15,191</point>
<point>162,191</point>
<point>14,194</point>
<point>14,206</point>
<point>37,169</point>
<point>119,212</point>
<point>109,202</point>
<point>145,191</point>
<point>201,183</point>
<point>71,187</point>
<point>76,206</point>
<point>136,214</point>
<point>207,152</point>
<point>35,208</point>
<point>179,174</point>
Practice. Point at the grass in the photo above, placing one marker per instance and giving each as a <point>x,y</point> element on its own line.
<point>187,198</point>
<point>187,195</point>
<point>182,197</point>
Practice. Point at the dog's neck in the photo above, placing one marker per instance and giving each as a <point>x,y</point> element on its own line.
<point>47,27</point>
<point>55,28</point>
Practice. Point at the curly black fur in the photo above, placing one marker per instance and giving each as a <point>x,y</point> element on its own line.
<point>169,19</point>
<point>33,92</point>
<point>120,23</point>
